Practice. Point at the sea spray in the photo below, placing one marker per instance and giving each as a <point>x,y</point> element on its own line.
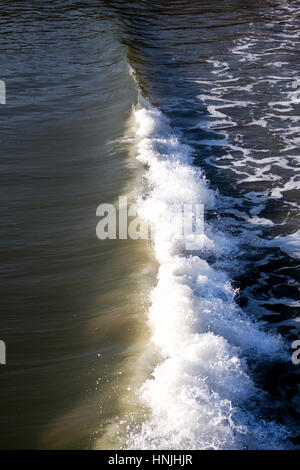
<point>200,395</point>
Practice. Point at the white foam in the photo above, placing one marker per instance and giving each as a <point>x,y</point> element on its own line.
<point>290,244</point>
<point>200,395</point>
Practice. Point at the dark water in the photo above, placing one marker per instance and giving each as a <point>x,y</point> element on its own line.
<point>73,311</point>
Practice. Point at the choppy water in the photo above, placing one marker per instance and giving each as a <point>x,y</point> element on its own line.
<point>127,343</point>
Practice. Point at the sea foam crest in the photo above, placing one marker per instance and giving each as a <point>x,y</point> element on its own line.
<point>200,395</point>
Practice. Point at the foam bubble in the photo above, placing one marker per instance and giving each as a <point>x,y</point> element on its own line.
<point>200,395</point>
